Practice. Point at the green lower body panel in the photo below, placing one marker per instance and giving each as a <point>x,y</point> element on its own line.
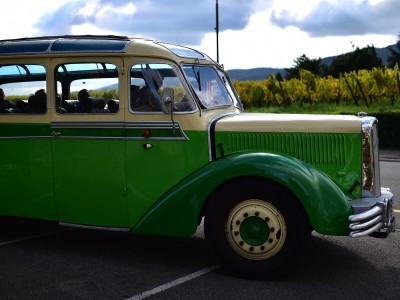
<point>180,210</point>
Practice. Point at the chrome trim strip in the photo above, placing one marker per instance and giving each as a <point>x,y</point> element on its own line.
<point>367,232</point>
<point>120,229</point>
<point>180,134</point>
<point>25,137</point>
<point>359,226</point>
<point>151,125</point>
<point>78,137</point>
<point>88,125</point>
<point>157,125</point>
<point>212,123</point>
<point>376,210</point>
<point>181,138</point>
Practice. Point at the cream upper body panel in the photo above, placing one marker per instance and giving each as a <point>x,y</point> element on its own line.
<point>198,120</point>
<point>265,122</point>
<point>147,48</point>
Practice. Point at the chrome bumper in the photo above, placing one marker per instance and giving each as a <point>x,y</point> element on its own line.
<point>373,216</point>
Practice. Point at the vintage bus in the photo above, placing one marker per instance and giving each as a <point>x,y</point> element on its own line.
<point>132,134</point>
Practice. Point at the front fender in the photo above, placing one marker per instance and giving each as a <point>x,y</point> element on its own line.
<point>179,210</point>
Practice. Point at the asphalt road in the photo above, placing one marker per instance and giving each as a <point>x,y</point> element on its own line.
<point>49,262</point>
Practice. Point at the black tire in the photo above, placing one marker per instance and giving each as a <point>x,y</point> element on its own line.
<point>256,228</point>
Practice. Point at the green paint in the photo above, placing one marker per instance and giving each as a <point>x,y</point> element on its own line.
<point>178,212</point>
<point>336,154</point>
<point>151,173</point>
<point>102,177</point>
<point>24,130</point>
<point>254,231</point>
<point>26,177</point>
<point>90,182</point>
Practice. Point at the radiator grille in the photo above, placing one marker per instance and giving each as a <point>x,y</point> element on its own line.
<point>315,149</point>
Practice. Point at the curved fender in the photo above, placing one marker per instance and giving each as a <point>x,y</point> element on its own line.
<point>178,211</point>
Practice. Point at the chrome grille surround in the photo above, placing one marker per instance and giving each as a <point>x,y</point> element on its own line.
<point>373,213</point>
<point>371,185</point>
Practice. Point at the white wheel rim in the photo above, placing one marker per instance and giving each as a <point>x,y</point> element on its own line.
<point>255,229</point>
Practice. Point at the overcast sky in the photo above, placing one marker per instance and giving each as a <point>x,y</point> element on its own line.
<point>253,33</point>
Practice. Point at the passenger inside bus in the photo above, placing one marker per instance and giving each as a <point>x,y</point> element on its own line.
<point>85,103</point>
<point>147,98</point>
<point>36,104</point>
<point>5,105</point>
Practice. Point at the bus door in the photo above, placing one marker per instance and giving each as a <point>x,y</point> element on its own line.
<point>26,172</point>
<point>88,143</point>
<point>161,149</point>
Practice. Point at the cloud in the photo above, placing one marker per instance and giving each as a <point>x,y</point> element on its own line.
<point>178,21</point>
<point>343,18</point>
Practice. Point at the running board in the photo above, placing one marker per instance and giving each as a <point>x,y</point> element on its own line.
<point>120,229</point>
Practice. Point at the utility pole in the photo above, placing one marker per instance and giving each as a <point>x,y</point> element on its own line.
<point>217,28</point>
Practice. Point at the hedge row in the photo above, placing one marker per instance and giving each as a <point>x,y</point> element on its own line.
<point>362,87</point>
<point>389,130</point>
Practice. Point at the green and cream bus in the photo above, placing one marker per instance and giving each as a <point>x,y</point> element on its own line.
<point>132,134</point>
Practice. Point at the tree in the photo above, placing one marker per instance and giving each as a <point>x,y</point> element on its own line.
<point>305,63</point>
<point>360,59</point>
<point>394,56</point>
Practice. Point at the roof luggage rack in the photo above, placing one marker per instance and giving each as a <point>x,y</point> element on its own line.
<point>87,36</point>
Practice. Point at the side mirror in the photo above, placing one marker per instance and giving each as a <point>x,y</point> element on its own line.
<point>167,100</point>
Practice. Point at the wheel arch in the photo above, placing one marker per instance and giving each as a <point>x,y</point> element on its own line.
<point>267,183</point>
<point>178,212</point>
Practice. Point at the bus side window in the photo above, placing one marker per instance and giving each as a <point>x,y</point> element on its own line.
<point>22,89</point>
<point>87,88</point>
<point>147,83</point>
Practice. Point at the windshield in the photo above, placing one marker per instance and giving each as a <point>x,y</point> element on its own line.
<point>208,85</point>
<point>147,84</point>
<point>231,90</point>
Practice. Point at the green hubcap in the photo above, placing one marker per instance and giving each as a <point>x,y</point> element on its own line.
<point>254,231</point>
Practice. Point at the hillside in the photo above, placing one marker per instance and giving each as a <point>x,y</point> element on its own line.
<point>262,73</point>
<point>253,74</point>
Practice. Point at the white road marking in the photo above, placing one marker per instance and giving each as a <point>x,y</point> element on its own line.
<point>33,237</point>
<point>173,283</point>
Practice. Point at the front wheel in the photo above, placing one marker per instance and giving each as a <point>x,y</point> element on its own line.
<point>256,228</point>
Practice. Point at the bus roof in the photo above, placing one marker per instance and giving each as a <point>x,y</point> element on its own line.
<point>87,44</point>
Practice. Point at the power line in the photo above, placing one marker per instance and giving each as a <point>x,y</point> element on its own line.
<point>217,27</point>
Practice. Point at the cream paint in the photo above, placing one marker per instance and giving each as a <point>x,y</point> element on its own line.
<point>262,122</point>
<point>233,122</point>
<point>25,118</point>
